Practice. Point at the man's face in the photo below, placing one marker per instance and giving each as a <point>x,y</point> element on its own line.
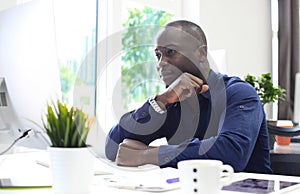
<point>176,52</point>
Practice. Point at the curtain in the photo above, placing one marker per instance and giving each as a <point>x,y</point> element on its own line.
<point>288,61</point>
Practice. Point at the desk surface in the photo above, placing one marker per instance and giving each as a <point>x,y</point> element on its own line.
<point>24,166</point>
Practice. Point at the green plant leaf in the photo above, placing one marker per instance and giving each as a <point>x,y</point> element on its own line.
<point>266,90</point>
<point>65,127</point>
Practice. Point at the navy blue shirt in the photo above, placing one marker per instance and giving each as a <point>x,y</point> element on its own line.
<point>226,123</point>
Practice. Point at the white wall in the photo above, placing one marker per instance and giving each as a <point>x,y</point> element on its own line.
<point>241,27</point>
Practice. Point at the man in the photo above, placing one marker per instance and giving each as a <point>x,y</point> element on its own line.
<point>201,113</point>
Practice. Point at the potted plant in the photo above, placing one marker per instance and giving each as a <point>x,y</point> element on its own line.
<point>71,161</point>
<point>267,92</point>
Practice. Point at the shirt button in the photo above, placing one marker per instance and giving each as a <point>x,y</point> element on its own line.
<point>167,159</point>
<point>242,107</point>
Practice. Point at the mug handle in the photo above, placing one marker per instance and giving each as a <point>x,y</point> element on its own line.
<point>226,175</point>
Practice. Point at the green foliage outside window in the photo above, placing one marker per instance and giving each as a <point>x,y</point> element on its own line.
<point>67,79</point>
<point>139,77</point>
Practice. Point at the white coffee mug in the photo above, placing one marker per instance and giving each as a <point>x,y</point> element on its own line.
<point>204,176</point>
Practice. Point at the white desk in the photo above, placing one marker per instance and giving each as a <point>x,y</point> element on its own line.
<point>23,165</point>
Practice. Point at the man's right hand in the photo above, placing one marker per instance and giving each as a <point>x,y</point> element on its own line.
<point>182,88</point>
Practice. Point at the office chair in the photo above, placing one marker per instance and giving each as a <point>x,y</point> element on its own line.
<point>284,163</point>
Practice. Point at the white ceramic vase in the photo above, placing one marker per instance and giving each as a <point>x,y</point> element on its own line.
<point>72,170</point>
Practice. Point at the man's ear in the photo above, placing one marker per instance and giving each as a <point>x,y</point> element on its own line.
<point>202,53</point>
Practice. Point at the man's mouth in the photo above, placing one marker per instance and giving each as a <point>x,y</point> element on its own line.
<point>168,76</point>
<point>165,74</point>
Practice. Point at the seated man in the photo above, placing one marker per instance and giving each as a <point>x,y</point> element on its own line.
<point>201,113</point>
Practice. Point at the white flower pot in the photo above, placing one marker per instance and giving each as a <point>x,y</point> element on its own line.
<point>72,170</point>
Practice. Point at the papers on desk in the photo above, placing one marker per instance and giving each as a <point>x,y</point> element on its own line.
<point>31,170</point>
<point>20,171</point>
<point>157,180</point>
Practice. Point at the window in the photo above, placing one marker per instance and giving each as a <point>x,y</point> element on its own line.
<point>76,36</point>
<point>126,65</point>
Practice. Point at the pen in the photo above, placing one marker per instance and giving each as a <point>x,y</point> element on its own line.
<point>118,185</point>
<point>139,187</point>
<point>42,163</point>
<point>172,180</point>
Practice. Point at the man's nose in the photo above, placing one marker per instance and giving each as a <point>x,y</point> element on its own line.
<point>161,63</point>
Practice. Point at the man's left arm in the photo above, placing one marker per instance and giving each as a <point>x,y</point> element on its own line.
<point>142,124</point>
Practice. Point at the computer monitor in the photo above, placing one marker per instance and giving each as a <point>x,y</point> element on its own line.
<point>28,64</point>
<point>9,121</point>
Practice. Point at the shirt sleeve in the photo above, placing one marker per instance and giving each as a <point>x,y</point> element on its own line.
<point>142,124</point>
<point>236,136</point>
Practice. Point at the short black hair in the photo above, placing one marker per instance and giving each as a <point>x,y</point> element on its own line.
<point>191,28</point>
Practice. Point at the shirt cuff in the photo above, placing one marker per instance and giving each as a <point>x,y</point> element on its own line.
<point>167,156</point>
